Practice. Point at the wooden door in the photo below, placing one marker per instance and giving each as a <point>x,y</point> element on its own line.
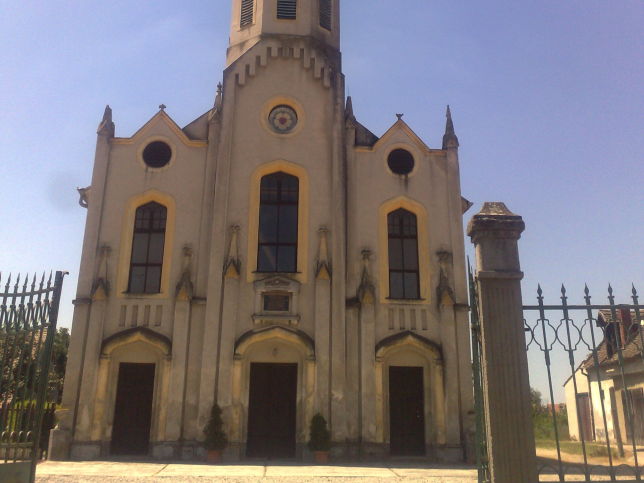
<point>133,409</point>
<point>272,411</point>
<point>406,411</point>
<point>585,416</point>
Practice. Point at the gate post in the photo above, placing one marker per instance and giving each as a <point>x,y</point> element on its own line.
<point>495,232</point>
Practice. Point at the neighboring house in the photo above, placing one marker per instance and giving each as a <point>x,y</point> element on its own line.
<point>276,257</point>
<point>585,415</point>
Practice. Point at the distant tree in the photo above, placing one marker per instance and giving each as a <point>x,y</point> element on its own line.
<point>59,361</point>
<point>542,419</point>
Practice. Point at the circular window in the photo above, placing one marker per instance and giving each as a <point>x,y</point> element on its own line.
<point>157,154</point>
<point>282,119</point>
<point>400,161</point>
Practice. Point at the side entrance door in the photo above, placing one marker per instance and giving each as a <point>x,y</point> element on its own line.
<point>406,411</point>
<point>272,411</point>
<point>133,409</point>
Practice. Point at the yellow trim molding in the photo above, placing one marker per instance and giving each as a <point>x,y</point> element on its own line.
<point>127,232</point>
<point>423,248</point>
<point>302,218</point>
<point>171,124</point>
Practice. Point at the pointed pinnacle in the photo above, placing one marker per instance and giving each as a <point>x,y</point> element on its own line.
<point>107,114</point>
<point>449,127</point>
<point>449,138</point>
<point>106,126</point>
<point>348,110</point>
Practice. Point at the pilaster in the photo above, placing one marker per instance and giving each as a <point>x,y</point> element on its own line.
<point>495,232</point>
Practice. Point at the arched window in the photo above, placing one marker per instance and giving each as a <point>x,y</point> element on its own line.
<point>147,248</point>
<point>277,250</point>
<point>403,255</point>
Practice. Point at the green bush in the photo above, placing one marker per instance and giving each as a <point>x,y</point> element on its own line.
<point>320,438</point>
<point>216,439</point>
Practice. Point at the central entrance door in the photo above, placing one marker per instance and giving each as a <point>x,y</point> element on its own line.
<point>271,410</point>
<point>133,409</point>
<point>406,411</point>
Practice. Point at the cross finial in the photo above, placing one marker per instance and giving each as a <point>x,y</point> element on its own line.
<point>162,107</point>
<point>399,116</point>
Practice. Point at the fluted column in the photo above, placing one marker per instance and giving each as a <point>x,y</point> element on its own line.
<point>495,232</point>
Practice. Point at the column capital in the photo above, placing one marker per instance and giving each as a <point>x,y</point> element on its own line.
<point>495,231</point>
<point>495,220</point>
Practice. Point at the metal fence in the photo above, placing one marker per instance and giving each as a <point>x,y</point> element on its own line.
<point>28,315</point>
<point>597,353</point>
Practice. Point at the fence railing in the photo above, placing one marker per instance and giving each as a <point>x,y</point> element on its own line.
<point>597,353</point>
<point>28,315</point>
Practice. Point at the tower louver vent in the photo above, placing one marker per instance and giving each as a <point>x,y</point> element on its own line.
<point>325,14</point>
<point>287,9</point>
<point>246,13</point>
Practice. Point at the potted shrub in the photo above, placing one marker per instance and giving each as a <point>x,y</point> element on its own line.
<point>216,440</point>
<point>320,439</point>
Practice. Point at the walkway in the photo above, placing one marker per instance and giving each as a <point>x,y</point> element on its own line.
<point>109,472</point>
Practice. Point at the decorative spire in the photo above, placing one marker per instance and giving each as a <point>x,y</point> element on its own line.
<point>323,267</point>
<point>218,97</point>
<point>106,126</point>
<point>232,267</point>
<point>101,286</point>
<point>449,139</point>
<point>348,111</point>
<point>185,288</point>
<point>366,290</point>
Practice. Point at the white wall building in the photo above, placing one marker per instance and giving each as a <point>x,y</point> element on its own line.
<point>278,258</point>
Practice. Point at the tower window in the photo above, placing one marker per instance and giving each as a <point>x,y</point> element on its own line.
<point>278,227</point>
<point>147,249</point>
<point>246,17</point>
<point>287,9</point>
<point>325,14</point>
<point>403,255</point>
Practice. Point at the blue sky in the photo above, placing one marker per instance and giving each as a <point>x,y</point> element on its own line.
<point>547,98</point>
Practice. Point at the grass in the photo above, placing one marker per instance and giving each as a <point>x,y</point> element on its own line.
<point>596,450</point>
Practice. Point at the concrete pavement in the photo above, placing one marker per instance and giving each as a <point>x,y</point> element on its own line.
<point>110,471</point>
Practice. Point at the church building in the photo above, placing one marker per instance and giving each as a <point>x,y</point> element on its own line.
<point>275,257</point>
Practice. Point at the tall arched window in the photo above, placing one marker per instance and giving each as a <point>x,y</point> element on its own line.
<point>403,255</point>
<point>148,242</point>
<point>277,250</point>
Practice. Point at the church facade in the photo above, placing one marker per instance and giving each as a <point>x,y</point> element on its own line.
<point>276,257</point>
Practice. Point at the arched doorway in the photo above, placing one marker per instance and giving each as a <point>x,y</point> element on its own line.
<point>132,383</point>
<point>410,373</point>
<point>276,367</point>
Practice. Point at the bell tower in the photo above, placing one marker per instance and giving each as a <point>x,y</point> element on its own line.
<point>254,20</point>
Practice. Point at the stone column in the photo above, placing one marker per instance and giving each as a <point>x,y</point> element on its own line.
<point>495,232</point>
